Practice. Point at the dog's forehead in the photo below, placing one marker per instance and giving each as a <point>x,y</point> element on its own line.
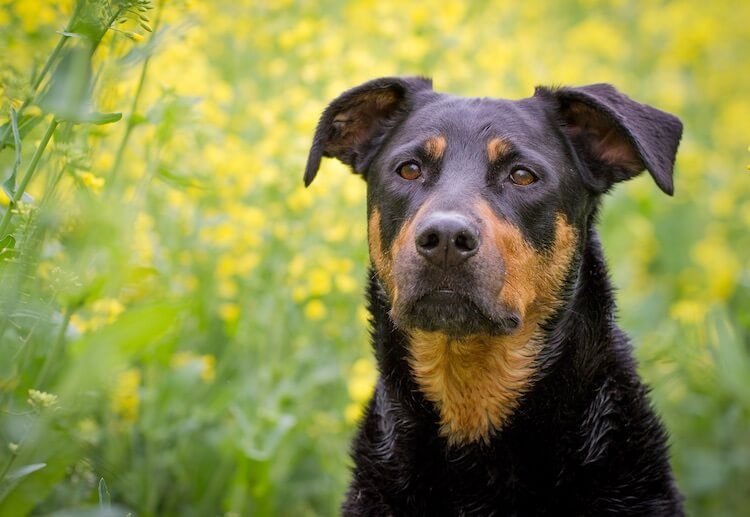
<point>464,120</point>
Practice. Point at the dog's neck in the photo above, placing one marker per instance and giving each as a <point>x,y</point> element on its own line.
<point>471,387</point>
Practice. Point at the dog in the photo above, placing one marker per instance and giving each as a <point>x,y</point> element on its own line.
<point>505,385</point>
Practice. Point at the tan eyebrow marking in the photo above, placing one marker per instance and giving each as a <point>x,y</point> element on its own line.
<point>435,146</point>
<point>497,148</point>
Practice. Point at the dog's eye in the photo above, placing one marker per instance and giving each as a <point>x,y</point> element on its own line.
<point>522,177</point>
<point>410,171</point>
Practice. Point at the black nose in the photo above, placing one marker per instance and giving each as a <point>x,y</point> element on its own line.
<point>446,239</point>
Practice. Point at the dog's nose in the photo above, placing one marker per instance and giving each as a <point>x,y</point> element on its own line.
<point>446,239</point>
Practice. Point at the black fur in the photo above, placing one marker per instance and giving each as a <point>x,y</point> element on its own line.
<point>584,440</point>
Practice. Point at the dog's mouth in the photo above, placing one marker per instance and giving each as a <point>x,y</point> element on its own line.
<point>455,313</point>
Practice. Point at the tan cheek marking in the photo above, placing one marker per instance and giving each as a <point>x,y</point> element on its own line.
<point>497,148</point>
<point>476,382</point>
<point>401,244</point>
<point>531,279</point>
<point>435,147</point>
<point>379,261</point>
<point>384,260</point>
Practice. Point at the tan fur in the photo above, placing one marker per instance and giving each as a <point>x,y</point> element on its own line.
<point>383,259</point>
<point>435,147</point>
<point>476,381</point>
<point>497,148</point>
<point>607,143</point>
<point>355,125</point>
<point>380,261</point>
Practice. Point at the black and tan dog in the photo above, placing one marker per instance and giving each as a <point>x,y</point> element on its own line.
<point>506,387</point>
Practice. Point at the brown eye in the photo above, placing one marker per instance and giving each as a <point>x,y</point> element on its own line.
<point>410,171</point>
<point>522,177</point>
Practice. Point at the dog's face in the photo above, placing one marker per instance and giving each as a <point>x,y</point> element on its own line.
<point>468,220</point>
<point>477,207</point>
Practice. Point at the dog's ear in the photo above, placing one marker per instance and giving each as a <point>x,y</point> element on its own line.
<point>356,121</point>
<point>617,137</point>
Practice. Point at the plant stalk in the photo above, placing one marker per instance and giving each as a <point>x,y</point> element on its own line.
<point>43,73</point>
<point>55,350</point>
<point>27,177</point>
<point>113,174</point>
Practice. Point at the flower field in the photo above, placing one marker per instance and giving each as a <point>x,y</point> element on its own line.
<point>182,328</point>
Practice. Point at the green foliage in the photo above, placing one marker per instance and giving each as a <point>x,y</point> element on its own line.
<point>181,323</point>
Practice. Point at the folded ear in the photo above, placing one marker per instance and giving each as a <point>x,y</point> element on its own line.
<point>617,137</point>
<point>354,123</point>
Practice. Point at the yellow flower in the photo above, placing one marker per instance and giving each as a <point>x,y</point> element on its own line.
<point>88,430</point>
<point>126,398</point>
<point>363,379</point>
<point>319,282</point>
<point>346,283</point>
<point>102,312</point>
<point>352,413</point>
<point>108,308</point>
<point>363,315</point>
<point>315,310</point>
<point>205,364</point>
<point>208,367</point>
<point>720,263</point>
<point>689,311</point>
<point>227,288</point>
<point>90,181</point>
<point>299,293</point>
<point>229,312</point>
<point>33,110</point>
<point>360,387</point>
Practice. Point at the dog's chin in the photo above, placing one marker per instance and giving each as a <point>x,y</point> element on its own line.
<point>453,314</point>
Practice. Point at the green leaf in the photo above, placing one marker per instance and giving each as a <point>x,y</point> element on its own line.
<point>176,179</point>
<point>104,498</point>
<point>102,118</point>
<point>25,125</point>
<point>69,93</point>
<point>133,333</point>
<point>9,185</point>
<point>137,118</point>
<point>70,34</point>
<point>7,246</point>
<point>25,471</point>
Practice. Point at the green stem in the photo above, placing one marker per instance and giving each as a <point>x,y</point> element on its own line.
<point>133,107</point>
<point>45,70</point>
<point>55,350</point>
<point>27,177</point>
<point>8,465</point>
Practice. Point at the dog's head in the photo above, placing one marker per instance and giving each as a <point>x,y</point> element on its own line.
<point>477,207</point>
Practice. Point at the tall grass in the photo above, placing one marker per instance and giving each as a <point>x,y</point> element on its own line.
<point>181,323</point>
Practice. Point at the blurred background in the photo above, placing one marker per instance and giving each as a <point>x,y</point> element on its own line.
<point>182,329</point>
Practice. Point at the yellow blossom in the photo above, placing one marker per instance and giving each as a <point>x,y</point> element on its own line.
<point>689,311</point>
<point>126,398</point>
<point>229,312</point>
<point>33,110</point>
<point>319,282</point>
<point>205,364</point>
<point>346,283</point>
<point>353,412</point>
<point>362,380</point>
<point>315,310</point>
